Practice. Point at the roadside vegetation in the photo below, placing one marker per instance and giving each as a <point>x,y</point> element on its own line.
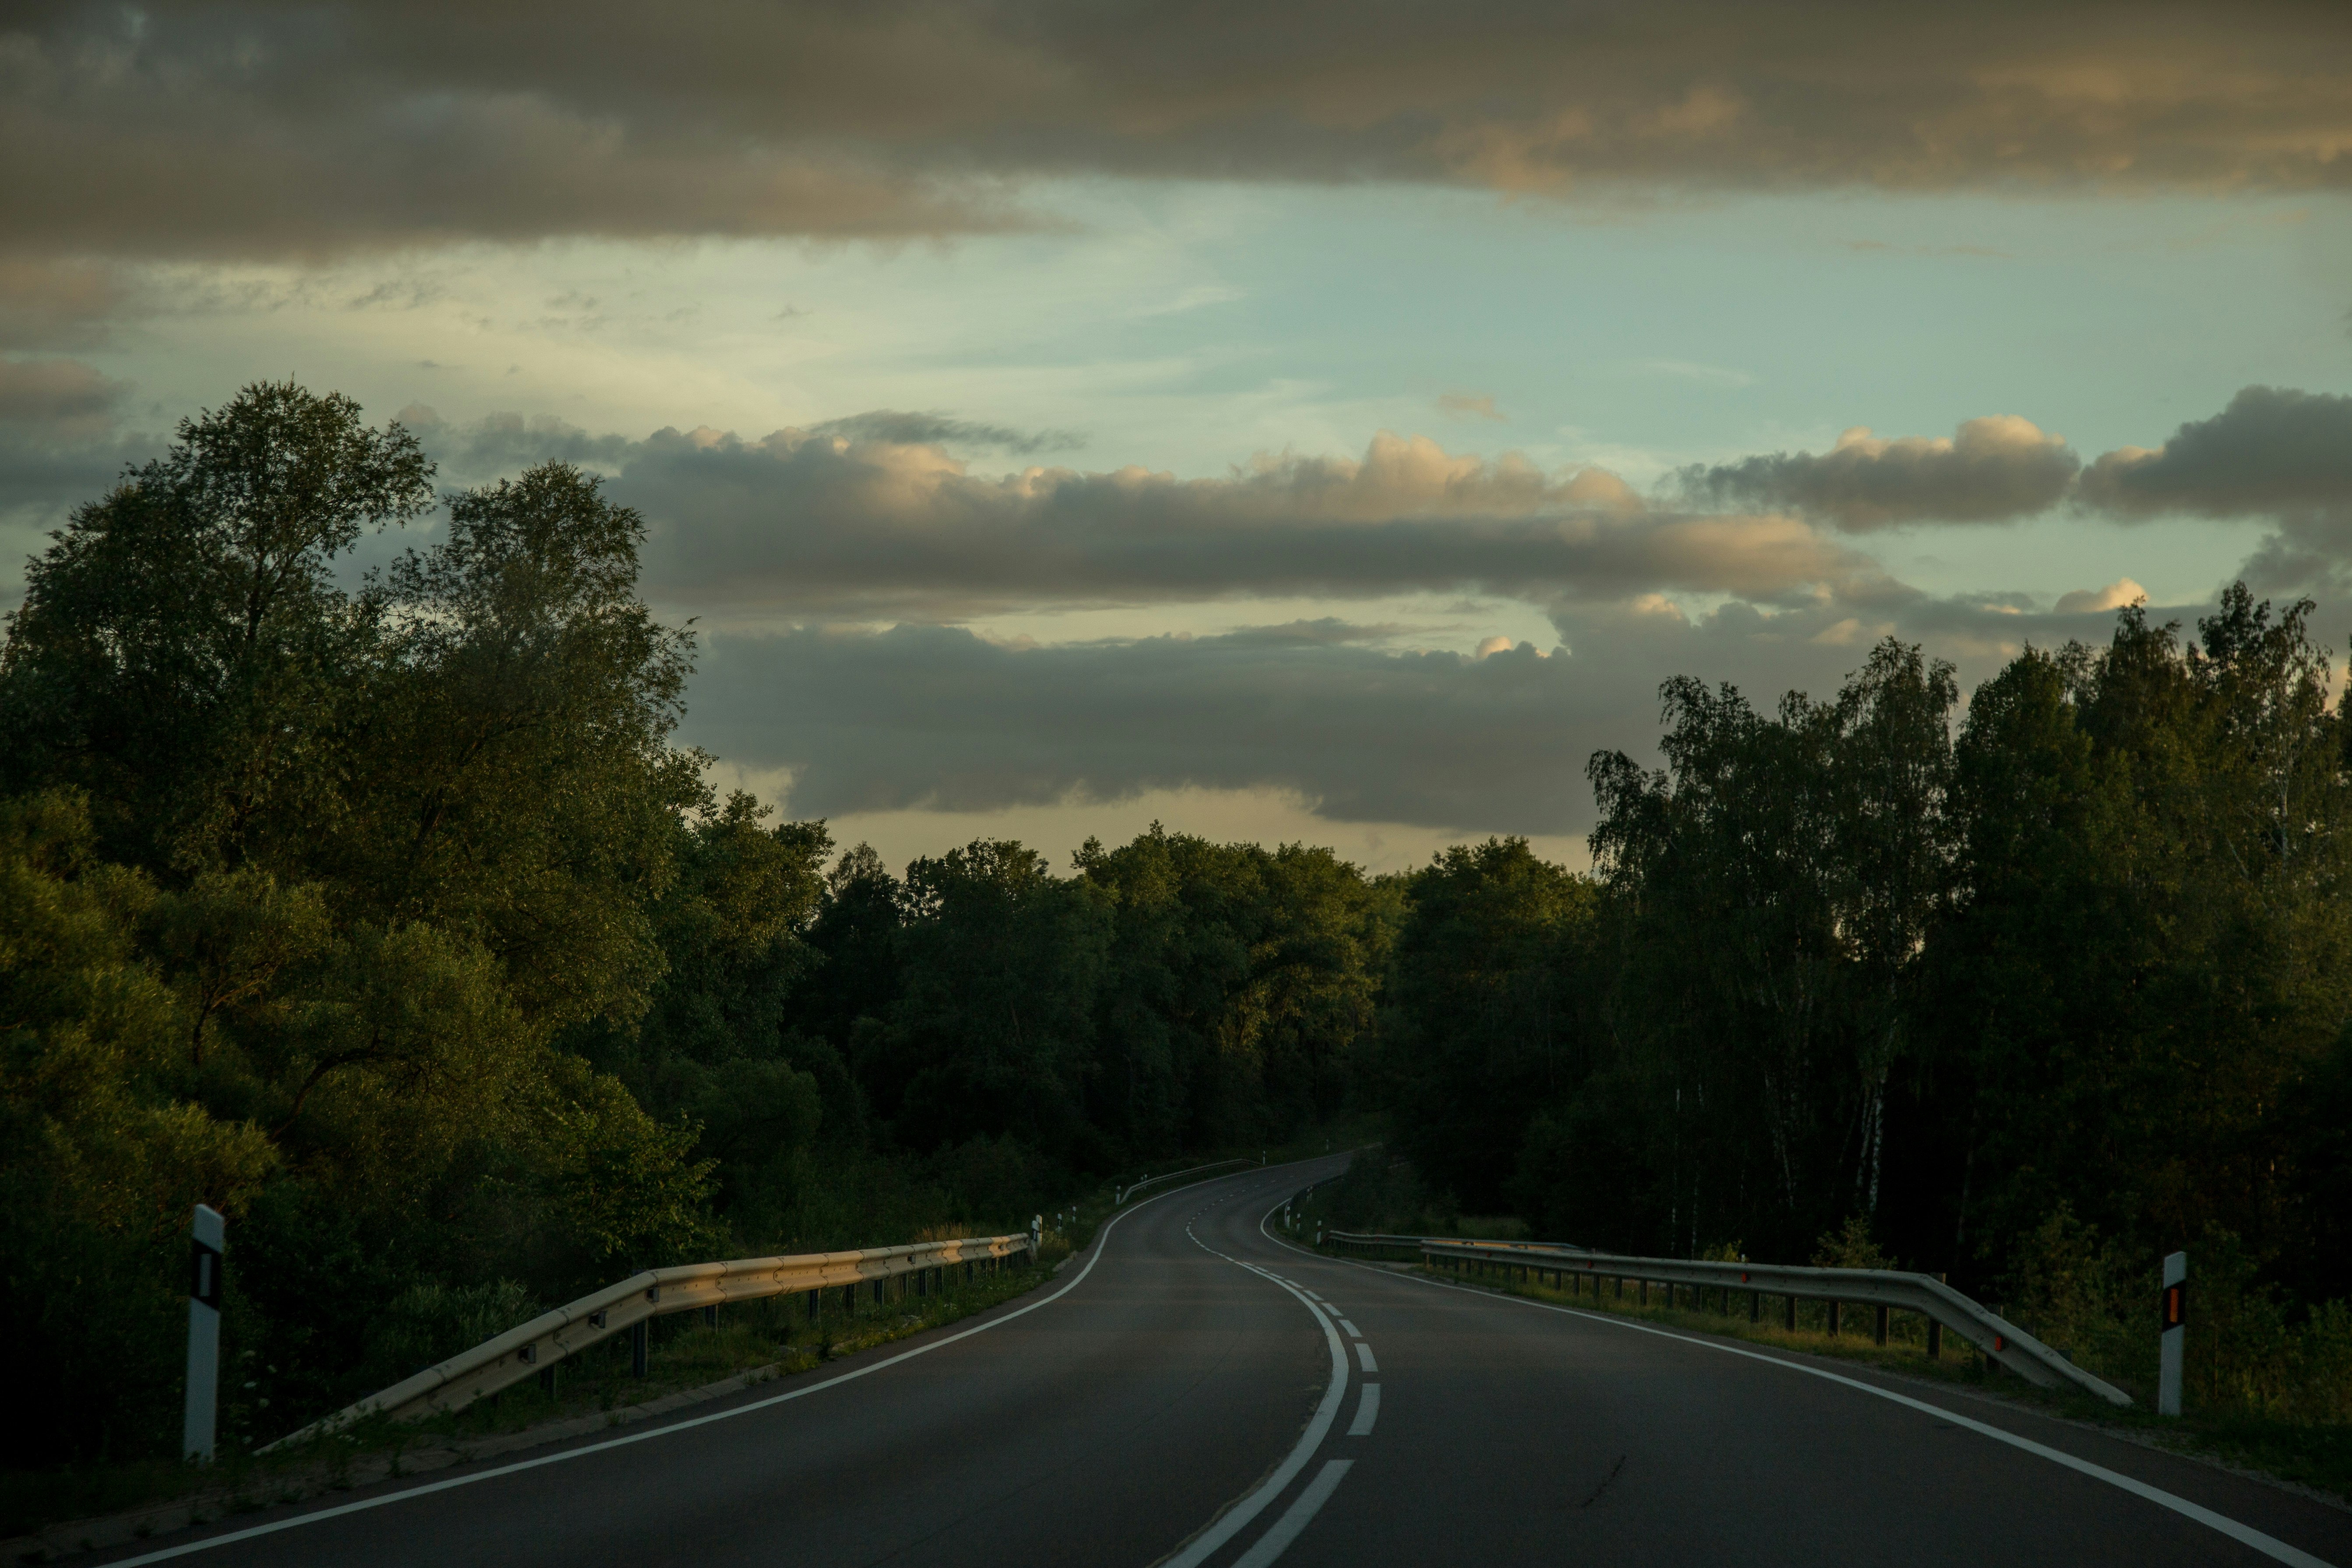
<point>752,1342</point>
<point>382,912</point>
<point>2267,1390</point>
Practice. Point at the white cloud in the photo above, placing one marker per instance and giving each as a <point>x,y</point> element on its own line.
<point>2122,591</point>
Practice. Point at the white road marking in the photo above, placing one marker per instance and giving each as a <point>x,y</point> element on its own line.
<point>1229,1524</point>
<point>1101,1236</point>
<point>1367,1410</point>
<point>2246,1534</point>
<point>1296,1517</point>
<point>1353,1333</point>
<point>1364,1354</point>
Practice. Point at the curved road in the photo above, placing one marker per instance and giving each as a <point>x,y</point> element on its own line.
<point>1193,1391</point>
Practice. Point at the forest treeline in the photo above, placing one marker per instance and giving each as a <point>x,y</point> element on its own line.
<point>2031,992</point>
<point>2085,947</point>
<point>384,913</point>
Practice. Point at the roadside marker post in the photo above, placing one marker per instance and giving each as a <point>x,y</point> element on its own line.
<point>2174,1335</point>
<point>207,1242</point>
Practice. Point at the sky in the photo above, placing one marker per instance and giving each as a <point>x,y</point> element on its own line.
<point>1317,423</point>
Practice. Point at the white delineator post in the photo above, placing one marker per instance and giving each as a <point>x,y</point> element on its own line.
<point>207,1242</point>
<point>2173,1338</point>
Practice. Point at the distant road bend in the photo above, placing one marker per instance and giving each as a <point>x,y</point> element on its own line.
<point>1194,1391</point>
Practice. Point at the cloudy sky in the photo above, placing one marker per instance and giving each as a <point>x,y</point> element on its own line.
<point>1302,422</point>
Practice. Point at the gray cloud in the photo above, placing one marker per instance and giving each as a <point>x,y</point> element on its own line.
<point>57,304</point>
<point>502,444</point>
<point>801,523</point>
<point>2272,449</point>
<point>935,429</point>
<point>2273,453</point>
<point>937,717</point>
<point>58,446</point>
<point>1990,470</point>
<point>193,127</point>
<point>60,399</point>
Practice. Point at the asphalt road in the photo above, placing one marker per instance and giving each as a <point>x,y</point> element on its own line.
<point>1193,1391</point>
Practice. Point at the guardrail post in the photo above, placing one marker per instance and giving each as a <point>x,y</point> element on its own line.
<point>709,1316</point>
<point>1881,1326</point>
<point>1756,1306</point>
<point>206,1244</point>
<point>1935,1338</point>
<point>1834,1318</point>
<point>1792,1314</point>
<point>639,1342</point>
<point>2171,1341</point>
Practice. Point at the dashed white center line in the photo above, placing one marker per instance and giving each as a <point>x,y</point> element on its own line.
<point>1367,1410</point>
<point>1364,1356</point>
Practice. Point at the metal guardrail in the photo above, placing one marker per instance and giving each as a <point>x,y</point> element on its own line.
<point>566,1331</point>
<point>1123,1194</point>
<point>1365,1241</point>
<point>1301,1193</point>
<point>1886,1289</point>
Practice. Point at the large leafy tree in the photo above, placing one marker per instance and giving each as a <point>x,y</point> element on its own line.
<point>991,1028</point>
<point>515,780</point>
<point>349,863</point>
<point>183,653</point>
<point>1490,1009</point>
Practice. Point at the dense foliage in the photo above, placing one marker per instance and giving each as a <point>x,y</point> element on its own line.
<point>386,917</point>
<point>2075,969</point>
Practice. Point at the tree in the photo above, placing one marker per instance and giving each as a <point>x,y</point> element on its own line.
<point>1490,1011</point>
<point>992,1028</point>
<point>182,649</point>
<point>516,781</point>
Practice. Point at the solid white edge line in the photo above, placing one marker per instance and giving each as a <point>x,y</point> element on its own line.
<point>1229,1524</point>
<point>1367,1410</point>
<point>209,1542</point>
<point>1296,1517</point>
<point>2244,1534</point>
